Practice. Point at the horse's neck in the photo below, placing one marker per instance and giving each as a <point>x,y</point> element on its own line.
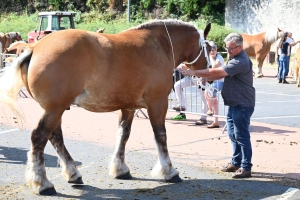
<point>8,41</point>
<point>12,35</point>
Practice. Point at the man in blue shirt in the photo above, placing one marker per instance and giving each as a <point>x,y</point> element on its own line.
<point>239,94</point>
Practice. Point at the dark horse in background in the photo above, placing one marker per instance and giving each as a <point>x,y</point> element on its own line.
<point>259,45</point>
<point>102,73</point>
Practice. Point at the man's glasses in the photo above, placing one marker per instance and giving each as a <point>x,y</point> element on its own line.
<point>231,50</point>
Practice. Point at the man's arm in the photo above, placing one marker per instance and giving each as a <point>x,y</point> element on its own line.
<point>212,73</point>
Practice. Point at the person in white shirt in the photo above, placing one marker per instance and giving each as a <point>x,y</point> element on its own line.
<point>216,61</point>
<point>188,81</point>
<point>289,40</point>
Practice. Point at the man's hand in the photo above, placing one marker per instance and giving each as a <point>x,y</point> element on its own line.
<point>186,72</point>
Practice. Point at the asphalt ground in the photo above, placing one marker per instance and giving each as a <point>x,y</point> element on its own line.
<point>197,152</point>
<point>198,183</point>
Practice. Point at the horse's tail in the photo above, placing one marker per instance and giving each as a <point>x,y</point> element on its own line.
<point>11,83</point>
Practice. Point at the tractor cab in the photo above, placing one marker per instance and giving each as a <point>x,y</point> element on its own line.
<point>51,22</point>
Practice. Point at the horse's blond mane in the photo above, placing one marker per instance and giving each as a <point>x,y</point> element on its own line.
<point>163,22</point>
<point>271,35</point>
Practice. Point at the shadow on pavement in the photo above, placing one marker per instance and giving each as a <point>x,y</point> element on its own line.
<point>188,189</point>
<point>13,155</point>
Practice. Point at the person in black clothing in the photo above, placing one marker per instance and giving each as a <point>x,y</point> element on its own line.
<point>284,58</point>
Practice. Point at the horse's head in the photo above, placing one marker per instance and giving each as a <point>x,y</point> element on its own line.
<point>201,53</point>
<point>14,36</point>
<point>280,33</point>
<point>18,36</point>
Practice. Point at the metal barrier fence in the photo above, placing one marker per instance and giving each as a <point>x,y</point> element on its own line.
<point>194,100</point>
<point>7,59</point>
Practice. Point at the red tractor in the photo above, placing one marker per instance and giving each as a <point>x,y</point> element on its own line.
<point>50,22</point>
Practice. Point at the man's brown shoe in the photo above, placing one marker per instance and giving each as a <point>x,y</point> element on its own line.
<point>241,173</point>
<point>229,168</point>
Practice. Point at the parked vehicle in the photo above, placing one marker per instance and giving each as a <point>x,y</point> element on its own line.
<point>50,22</point>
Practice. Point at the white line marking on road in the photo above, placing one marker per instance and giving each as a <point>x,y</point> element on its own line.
<point>292,95</point>
<point>7,131</point>
<point>296,101</point>
<point>289,193</point>
<point>278,117</point>
<point>283,101</point>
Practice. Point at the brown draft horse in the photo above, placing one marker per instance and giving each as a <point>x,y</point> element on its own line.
<point>259,45</point>
<point>8,38</point>
<point>101,73</point>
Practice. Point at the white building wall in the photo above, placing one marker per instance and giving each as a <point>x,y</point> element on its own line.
<point>254,16</point>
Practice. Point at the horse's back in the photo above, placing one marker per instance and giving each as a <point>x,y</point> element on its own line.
<point>253,44</point>
<point>99,71</point>
<point>59,66</point>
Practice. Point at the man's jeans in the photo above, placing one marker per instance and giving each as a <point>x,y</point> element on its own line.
<point>238,121</point>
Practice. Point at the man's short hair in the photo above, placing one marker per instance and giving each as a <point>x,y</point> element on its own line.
<point>236,37</point>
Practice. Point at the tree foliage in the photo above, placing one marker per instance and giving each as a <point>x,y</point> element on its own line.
<point>187,10</point>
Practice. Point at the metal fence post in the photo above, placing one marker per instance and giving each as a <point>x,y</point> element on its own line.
<point>1,60</point>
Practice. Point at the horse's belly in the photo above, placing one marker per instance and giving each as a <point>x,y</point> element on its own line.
<point>107,103</point>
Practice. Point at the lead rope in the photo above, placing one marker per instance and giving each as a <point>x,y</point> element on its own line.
<point>202,43</point>
<point>171,44</point>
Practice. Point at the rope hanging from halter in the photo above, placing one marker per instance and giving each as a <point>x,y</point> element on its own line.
<point>208,87</point>
<point>171,43</point>
<point>202,43</point>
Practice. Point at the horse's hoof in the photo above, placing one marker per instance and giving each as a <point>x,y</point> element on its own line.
<point>48,192</point>
<point>77,181</point>
<point>125,176</point>
<point>175,179</point>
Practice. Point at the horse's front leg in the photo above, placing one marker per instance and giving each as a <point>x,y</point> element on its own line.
<point>69,170</point>
<point>36,172</point>
<point>157,114</point>
<point>117,167</point>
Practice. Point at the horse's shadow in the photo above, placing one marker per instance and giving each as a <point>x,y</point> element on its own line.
<point>188,189</point>
<point>14,155</point>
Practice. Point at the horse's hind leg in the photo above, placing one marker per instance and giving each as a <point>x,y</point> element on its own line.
<point>69,170</point>
<point>117,167</point>
<point>157,114</point>
<point>36,172</point>
<point>259,67</point>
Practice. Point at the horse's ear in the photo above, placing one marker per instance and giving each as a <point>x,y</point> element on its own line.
<point>207,29</point>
